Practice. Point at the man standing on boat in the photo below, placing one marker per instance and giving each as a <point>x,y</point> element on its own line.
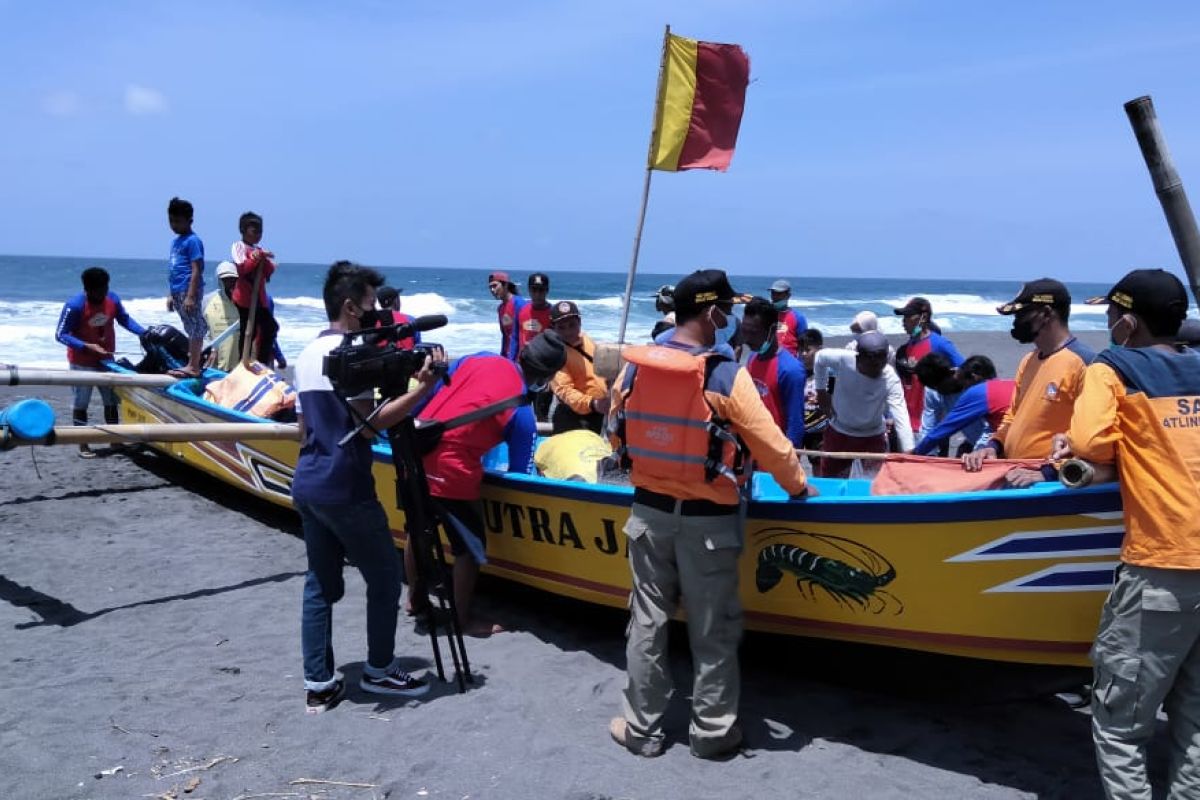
<point>684,533</point>
<point>1139,408</point>
<point>511,303</point>
<point>792,323</point>
<point>86,328</point>
<point>1048,381</point>
<point>334,492</point>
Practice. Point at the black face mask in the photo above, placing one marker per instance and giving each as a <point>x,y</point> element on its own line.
<point>369,319</point>
<point>1023,330</point>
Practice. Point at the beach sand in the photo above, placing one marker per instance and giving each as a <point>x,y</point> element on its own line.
<point>149,621</point>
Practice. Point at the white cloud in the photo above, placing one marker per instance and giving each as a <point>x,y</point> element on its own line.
<point>61,103</point>
<point>142,101</point>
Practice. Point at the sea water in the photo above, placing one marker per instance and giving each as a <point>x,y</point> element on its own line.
<point>34,289</point>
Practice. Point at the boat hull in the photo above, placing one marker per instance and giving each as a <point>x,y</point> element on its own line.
<point>1014,576</point>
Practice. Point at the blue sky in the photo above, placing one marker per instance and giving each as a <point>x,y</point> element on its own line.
<point>931,139</point>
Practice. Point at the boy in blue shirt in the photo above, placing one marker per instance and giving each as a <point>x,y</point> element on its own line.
<point>186,281</point>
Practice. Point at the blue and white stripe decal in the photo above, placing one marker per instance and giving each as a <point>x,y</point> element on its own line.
<point>1094,577</point>
<point>1064,543</point>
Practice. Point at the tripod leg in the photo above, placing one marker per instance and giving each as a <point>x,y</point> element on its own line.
<point>454,637</point>
<point>419,587</point>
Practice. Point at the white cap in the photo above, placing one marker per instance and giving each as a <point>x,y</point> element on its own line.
<point>781,286</point>
<point>226,269</point>
<point>866,321</point>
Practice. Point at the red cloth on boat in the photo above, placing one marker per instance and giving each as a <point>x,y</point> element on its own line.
<point>903,474</point>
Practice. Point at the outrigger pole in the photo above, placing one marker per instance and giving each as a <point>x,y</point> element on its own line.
<point>74,377</point>
<point>637,237</point>
<point>169,432</point>
<point>1168,187</point>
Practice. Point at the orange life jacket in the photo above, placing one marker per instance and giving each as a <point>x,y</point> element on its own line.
<point>254,390</point>
<point>666,427</point>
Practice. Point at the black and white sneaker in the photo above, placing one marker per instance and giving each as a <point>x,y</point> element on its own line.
<point>397,683</point>
<point>317,702</point>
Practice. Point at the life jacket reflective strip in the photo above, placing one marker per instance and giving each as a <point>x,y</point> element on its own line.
<point>691,446</point>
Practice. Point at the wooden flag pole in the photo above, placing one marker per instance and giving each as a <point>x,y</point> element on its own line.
<point>637,237</point>
<point>248,342</point>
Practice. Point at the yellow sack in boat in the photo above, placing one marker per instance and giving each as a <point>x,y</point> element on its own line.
<point>256,390</point>
<point>571,456</point>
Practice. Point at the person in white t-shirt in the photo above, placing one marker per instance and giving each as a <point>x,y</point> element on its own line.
<point>867,389</point>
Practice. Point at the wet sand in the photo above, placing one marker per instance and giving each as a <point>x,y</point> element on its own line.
<point>149,620</point>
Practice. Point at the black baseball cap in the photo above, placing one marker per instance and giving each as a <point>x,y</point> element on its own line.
<point>918,305</point>
<point>1155,295</point>
<point>387,295</point>
<point>563,309</point>
<point>703,288</point>
<point>542,357</point>
<point>539,280</point>
<point>1042,292</point>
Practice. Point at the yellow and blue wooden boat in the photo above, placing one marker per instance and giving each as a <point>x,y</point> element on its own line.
<point>1016,575</point>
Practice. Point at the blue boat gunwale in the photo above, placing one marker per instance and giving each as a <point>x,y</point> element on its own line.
<point>834,504</point>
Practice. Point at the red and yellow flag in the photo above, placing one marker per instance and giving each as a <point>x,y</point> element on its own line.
<point>700,100</point>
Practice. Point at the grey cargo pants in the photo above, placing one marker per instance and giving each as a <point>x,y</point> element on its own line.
<point>1147,654</point>
<point>695,557</point>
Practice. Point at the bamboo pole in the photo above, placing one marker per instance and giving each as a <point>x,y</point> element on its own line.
<point>637,237</point>
<point>167,432</point>
<point>248,342</point>
<point>77,377</point>
<point>1168,187</point>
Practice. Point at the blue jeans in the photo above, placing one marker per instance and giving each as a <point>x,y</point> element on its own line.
<point>359,531</point>
<point>83,394</point>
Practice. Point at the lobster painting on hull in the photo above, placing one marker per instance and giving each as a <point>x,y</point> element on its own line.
<point>849,573</point>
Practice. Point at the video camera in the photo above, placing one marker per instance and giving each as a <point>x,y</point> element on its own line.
<point>376,363</point>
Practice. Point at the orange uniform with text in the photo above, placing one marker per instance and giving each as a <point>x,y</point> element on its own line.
<point>667,408</point>
<point>1042,402</point>
<point>1141,409</point>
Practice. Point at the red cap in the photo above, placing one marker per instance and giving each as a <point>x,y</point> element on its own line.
<point>502,277</point>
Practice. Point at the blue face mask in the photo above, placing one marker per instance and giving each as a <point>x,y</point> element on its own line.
<point>780,305</point>
<point>766,346</point>
<point>723,335</point>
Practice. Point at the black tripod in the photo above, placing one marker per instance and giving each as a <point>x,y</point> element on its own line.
<point>422,518</point>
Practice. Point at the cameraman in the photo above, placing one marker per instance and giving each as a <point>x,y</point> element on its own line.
<point>454,466</point>
<point>334,492</point>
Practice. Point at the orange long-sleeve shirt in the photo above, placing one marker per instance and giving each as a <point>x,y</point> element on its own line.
<point>1146,419</point>
<point>577,383</point>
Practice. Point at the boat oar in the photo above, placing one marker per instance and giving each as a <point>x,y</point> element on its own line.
<point>248,342</point>
<point>77,377</point>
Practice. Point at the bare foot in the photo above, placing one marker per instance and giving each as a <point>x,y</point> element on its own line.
<point>482,628</point>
